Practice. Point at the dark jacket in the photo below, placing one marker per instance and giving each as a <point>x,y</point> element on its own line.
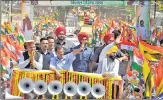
<point>26,56</point>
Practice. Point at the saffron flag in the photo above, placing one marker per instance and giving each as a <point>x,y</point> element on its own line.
<point>159,90</point>
<point>150,49</point>
<point>129,72</point>
<point>160,71</point>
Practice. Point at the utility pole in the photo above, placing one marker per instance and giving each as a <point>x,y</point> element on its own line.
<point>155,9</point>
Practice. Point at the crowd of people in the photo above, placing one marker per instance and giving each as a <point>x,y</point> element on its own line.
<point>108,60</point>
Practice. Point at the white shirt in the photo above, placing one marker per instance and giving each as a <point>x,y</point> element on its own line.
<point>38,65</point>
<point>104,66</point>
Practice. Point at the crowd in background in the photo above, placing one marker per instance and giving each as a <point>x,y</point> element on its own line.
<point>54,53</point>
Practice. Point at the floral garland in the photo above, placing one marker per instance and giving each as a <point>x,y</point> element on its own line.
<point>66,76</point>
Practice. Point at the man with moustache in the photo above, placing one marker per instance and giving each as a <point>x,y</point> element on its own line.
<point>51,45</point>
<point>61,39</point>
<point>83,59</point>
<point>46,54</point>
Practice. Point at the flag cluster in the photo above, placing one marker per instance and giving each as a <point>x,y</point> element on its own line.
<point>12,41</point>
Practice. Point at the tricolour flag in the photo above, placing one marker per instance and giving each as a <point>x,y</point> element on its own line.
<point>10,44</point>
<point>4,61</point>
<point>3,30</point>
<point>127,46</point>
<point>137,60</point>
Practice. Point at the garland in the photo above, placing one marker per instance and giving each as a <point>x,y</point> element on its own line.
<point>66,76</point>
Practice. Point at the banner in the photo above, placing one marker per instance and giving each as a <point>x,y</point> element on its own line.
<point>82,3</point>
<point>144,13</point>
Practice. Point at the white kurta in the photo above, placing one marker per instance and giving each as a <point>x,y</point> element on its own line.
<point>28,35</point>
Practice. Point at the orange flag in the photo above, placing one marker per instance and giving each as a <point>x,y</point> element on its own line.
<point>156,79</point>
<point>13,56</point>
<point>3,38</point>
<point>4,53</point>
<point>129,72</point>
<point>19,49</point>
<point>159,35</point>
<point>4,61</point>
<point>160,71</point>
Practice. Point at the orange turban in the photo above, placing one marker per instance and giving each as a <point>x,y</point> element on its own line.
<point>107,38</point>
<point>60,29</point>
<point>82,35</point>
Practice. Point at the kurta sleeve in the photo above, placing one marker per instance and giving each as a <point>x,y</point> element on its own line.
<point>104,51</point>
<point>39,64</point>
<point>22,63</point>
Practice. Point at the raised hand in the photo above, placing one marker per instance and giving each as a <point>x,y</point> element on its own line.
<point>82,46</point>
<point>118,40</point>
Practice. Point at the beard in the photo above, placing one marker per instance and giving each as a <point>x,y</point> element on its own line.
<point>61,38</point>
<point>112,57</point>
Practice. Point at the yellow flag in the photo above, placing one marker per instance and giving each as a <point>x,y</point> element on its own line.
<point>150,57</point>
<point>9,28</point>
<point>149,85</point>
<point>146,70</point>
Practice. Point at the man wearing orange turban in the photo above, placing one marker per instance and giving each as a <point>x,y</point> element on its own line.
<point>83,36</point>
<point>61,39</point>
<point>60,31</point>
<point>81,63</point>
